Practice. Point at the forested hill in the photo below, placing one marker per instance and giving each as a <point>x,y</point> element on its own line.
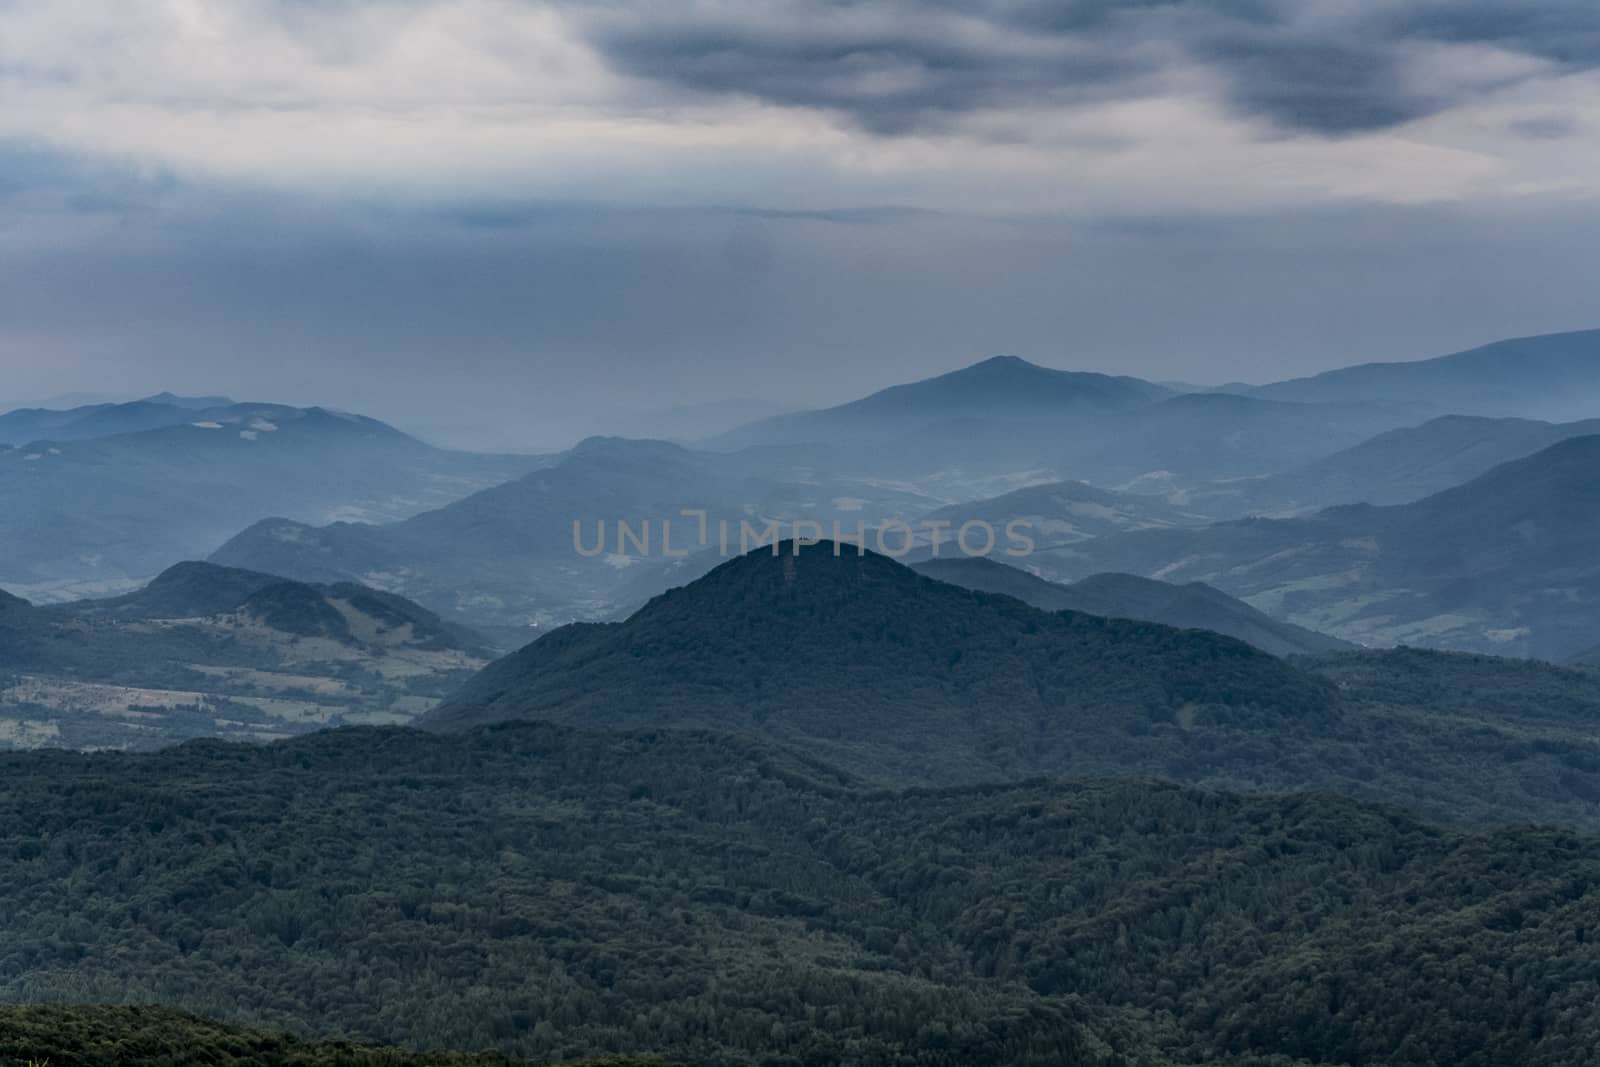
<point>882,668</point>
<point>909,681</point>
<point>1126,596</point>
<point>559,894</point>
<point>213,651</point>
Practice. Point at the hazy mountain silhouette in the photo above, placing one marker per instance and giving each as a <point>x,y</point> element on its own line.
<point>124,507</point>
<point>1504,563</point>
<point>1549,376</point>
<point>25,425</point>
<point>1195,606</point>
<point>1003,387</point>
<point>1006,415</point>
<point>1397,467</point>
<point>506,556</point>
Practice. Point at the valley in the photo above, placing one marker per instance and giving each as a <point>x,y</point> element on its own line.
<point>419,769</point>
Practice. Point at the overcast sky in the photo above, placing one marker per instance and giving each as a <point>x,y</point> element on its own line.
<point>511,222</point>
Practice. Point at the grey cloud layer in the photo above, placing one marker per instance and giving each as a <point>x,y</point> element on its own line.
<point>896,65</point>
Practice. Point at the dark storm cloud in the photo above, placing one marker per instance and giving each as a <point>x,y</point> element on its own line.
<point>897,65</point>
<point>889,79</point>
<point>1562,31</point>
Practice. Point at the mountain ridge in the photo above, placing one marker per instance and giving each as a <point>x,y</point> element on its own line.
<point>903,680</point>
<point>1502,563</point>
<point>1195,606</point>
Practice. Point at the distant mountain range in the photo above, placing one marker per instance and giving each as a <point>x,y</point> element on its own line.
<point>1006,415</point>
<point>205,651</point>
<point>506,557</point>
<point>906,680</point>
<point>1551,376</point>
<point>1397,467</point>
<point>1195,606</point>
<point>1505,563</point>
<point>1004,386</point>
<point>89,421</point>
<point>108,511</point>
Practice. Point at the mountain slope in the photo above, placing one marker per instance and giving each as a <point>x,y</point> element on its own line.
<point>25,425</point>
<point>1397,467</point>
<point>93,514</point>
<point>561,894</point>
<point>205,651</point>
<point>1551,376</point>
<point>1063,512</point>
<point>907,680</point>
<point>506,557</point>
<point>1001,387</point>
<point>961,685</point>
<point>1124,596</point>
<point>959,433</point>
<point>1504,563</point>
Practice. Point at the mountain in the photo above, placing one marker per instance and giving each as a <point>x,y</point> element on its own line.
<point>506,559</point>
<point>1064,512</point>
<point>1551,376</point>
<point>962,686</point>
<point>1195,606</point>
<point>109,512</point>
<point>193,403</point>
<point>206,651</point>
<point>558,894</point>
<point>1003,387</point>
<point>1007,421</point>
<point>905,680</point>
<point>25,425</point>
<point>1195,438</point>
<point>1397,467</point>
<point>1504,563</point>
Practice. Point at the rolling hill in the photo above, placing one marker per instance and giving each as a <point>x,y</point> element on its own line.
<point>1064,512</point>
<point>960,433</point>
<point>205,651</point>
<point>1397,467</point>
<point>25,425</point>
<point>1195,606</point>
<point>1002,388</point>
<point>909,681</point>
<point>559,894</point>
<point>90,516</point>
<point>505,559</point>
<point>1550,376</point>
<point>1504,563</point>
<point>961,686</point>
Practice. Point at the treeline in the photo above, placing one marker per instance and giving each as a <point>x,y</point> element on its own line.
<point>54,1035</point>
<point>558,895</point>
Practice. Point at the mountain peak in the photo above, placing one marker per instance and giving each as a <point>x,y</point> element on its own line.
<point>190,403</point>
<point>885,669</point>
<point>192,589</point>
<point>999,389</point>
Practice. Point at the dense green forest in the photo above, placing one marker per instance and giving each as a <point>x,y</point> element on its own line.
<point>909,681</point>
<point>54,1035</point>
<point>559,894</point>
